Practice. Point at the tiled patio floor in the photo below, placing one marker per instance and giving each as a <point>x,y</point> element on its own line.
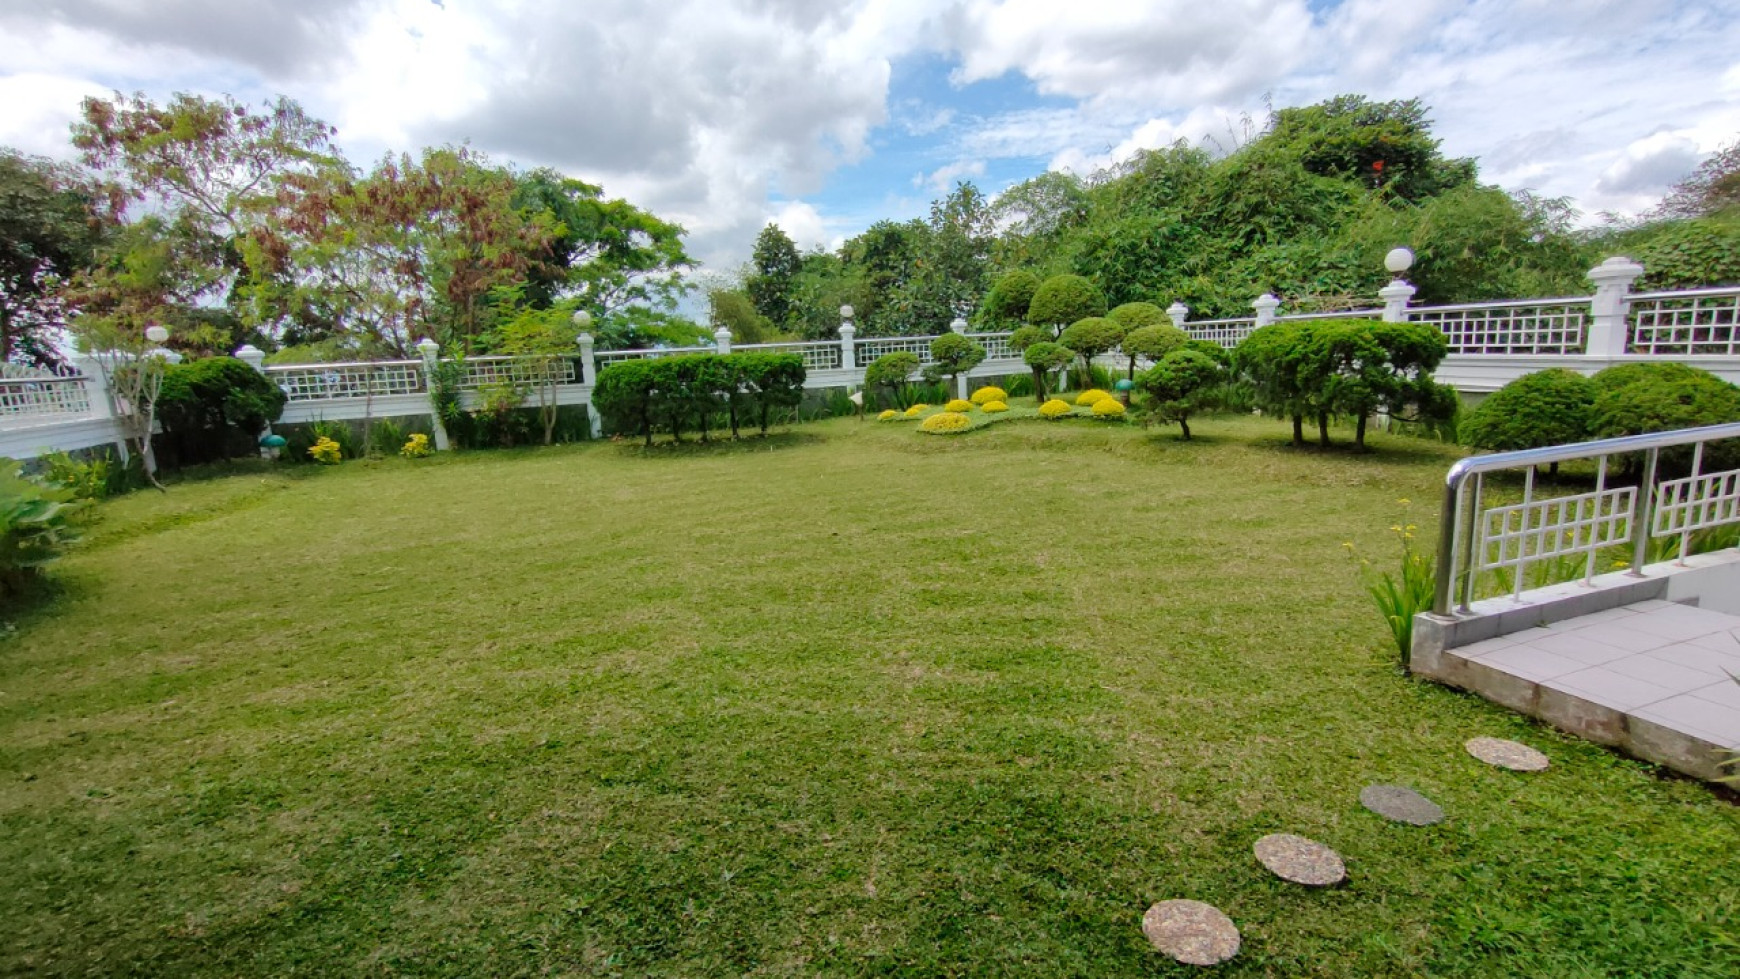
<point>1655,677</point>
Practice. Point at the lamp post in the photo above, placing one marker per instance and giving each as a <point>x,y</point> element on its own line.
<point>1399,291</point>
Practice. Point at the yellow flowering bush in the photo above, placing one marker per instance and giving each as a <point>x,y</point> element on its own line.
<point>1091,397</point>
<point>1109,408</point>
<point>916,410</point>
<point>1055,408</point>
<point>416,448</point>
<point>986,395</point>
<point>945,423</point>
<point>888,415</point>
<point>958,406</point>
<point>992,407</point>
<point>326,452</point>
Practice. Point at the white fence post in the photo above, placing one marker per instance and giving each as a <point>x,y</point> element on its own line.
<point>1179,313</point>
<point>1607,328</point>
<point>430,350</point>
<point>252,356</point>
<point>722,339</point>
<point>1399,291</point>
<point>848,356</point>
<point>589,377</point>
<point>1265,305</point>
<point>101,394</point>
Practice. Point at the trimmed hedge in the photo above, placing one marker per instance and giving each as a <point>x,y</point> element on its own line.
<point>675,393</point>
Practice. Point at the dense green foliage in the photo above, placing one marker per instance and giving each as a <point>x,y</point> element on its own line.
<point>1550,407</point>
<point>674,394</point>
<point>1042,358</point>
<point>34,527</point>
<point>888,373</point>
<point>50,228</point>
<point>1090,337</point>
<point>951,356</point>
<point>1632,399</point>
<point>1182,384</point>
<point>1151,343</point>
<point>1065,299</point>
<point>1007,302</point>
<point>215,408</point>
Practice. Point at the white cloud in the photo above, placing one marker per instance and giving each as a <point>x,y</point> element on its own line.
<point>806,226</point>
<point>943,179</point>
<point>36,109</point>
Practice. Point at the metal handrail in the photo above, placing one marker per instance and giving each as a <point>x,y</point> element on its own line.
<point>1336,315</point>
<point>1684,293</point>
<point>1502,304</point>
<point>321,365</point>
<point>1653,442</point>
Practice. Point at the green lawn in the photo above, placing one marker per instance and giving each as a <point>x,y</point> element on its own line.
<point>848,701</point>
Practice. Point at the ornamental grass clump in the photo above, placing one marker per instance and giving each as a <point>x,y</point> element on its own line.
<point>1109,408</point>
<point>992,407</point>
<point>1091,397</point>
<point>958,406</point>
<point>1055,408</point>
<point>326,452</point>
<point>986,395</point>
<point>945,423</point>
<point>416,447</point>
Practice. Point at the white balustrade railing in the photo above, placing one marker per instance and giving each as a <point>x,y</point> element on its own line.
<point>1481,543</point>
<point>996,345</point>
<point>1228,333</point>
<point>46,395</point>
<point>607,357</point>
<point>824,355</point>
<point>1538,326</point>
<point>1694,322</point>
<point>869,350</point>
<point>484,371</point>
<point>332,382</point>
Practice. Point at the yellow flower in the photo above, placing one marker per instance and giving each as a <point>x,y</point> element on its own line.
<point>986,395</point>
<point>958,406</point>
<point>1055,408</point>
<point>946,423</point>
<point>1403,501</point>
<point>888,415</point>
<point>992,407</point>
<point>1109,408</point>
<point>1090,397</point>
<point>1347,544</point>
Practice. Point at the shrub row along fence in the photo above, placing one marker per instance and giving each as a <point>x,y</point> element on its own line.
<point>1487,344</point>
<point>694,391</point>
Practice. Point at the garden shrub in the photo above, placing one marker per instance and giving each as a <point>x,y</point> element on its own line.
<point>951,356</point>
<point>1139,316</point>
<point>1019,387</point>
<point>1064,299</point>
<point>1109,408</point>
<point>916,410</point>
<point>946,422</point>
<point>1091,397</point>
<point>34,525</point>
<point>1055,408</point>
<point>888,415</point>
<point>1179,386</point>
<point>1089,338</point>
<point>1632,399</point>
<point>1043,358</point>
<point>986,395</point>
<point>992,407</point>
<point>88,480</point>
<point>958,406</point>
<point>417,447</point>
<point>215,408</point>
<point>890,372</point>
<point>676,393</point>
<point>1010,297</point>
<point>1027,336</point>
<point>326,452</point>
<point>1151,343</point>
<point>1550,407</point>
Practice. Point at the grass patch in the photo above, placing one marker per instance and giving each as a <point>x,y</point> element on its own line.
<point>847,703</point>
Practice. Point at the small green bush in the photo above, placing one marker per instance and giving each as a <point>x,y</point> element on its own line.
<point>1043,358</point>
<point>1550,407</point>
<point>34,526</point>
<point>215,408</point>
<point>951,356</point>
<point>888,373</point>
<point>1138,316</point>
<point>1180,385</point>
<point>1089,338</point>
<point>1151,343</point>
<point>1026,337</point>
<point>1632,399</point>
<point>91,479</point>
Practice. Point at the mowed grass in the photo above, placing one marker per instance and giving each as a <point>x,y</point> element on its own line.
<point>849,701</point>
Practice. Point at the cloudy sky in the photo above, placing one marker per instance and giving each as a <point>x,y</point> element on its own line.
<point>725,114</point>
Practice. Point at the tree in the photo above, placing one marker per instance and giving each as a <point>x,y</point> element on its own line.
<point>1027,336</point>
<point>952,356</point>
<point>1006,304</point>
<point>1181,385</point>
<point>1386,145</point>
<point>606,253</point>
<point>1064,299</point>
<point>207,406</point>
<point>1042,358</point>
<point>889,373</point>
<point>1151,343</point>
<point>735,311</point>
<point>1359,367</point>
<point>52,219</point>
<point>1712,189</point>
<point>1272,359</point>
<point>1089,338</point>
<point>775,263</point>
<point>1689,254</point>
<point>545,342</point>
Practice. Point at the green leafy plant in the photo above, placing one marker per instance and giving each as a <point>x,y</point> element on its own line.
<point>216,408</point>
<point>1042,358</point>
<point>1632,399</point>
<point>1064,299</point>
<point>951,356</point>
<point>1549,407</point>
<point>91,479</point>
<point>888,374</point>
<point>1089,338</point>
<point>385,437</point>
<point>1401,595</point>
<point>1182,384</point>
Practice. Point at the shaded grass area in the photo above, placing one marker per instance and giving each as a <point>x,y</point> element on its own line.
<point>851,701</point>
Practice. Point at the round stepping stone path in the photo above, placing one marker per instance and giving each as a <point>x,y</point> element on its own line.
<point>1301,861</point>
<point>1507,754</point>
<point>1401,804</point>
<point>1191,932</point>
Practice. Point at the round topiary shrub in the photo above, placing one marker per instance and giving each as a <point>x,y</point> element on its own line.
<point>986,395</point>
<point>1091,397</point>
<point>1136,316</point>
<point>958,406</point>
<point>888,415</point>
<point>1010,297</point>
<point>1064,299</point>
<point>1550,407</point>
<point>945,423</point>
<point>992,407</point>
<point>1633,399</point>
<point>1055,408</point>
<point>1026,337</point>
<point>1109,408</point>
<point>916,410</point>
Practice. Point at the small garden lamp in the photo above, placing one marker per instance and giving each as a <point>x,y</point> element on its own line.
<point>271,445</point>
<point>1125,386</point>
<point>1399,260</point>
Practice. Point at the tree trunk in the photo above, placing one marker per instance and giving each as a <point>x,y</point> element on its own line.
<point>1038,386</point>
<point>1298,429</point>
<point>731,408</point>
<point>1184,423</point>
<point>1359,433</point>
<point>1323,429</point>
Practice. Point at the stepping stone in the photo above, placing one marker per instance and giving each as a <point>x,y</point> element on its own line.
<point>1302,861</point>
<point>1507,754</point>
<point>1401,804</point>
<point>1191,932</point>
